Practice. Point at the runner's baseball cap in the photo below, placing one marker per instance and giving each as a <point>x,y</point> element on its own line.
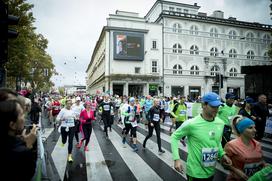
<point>212,99</point>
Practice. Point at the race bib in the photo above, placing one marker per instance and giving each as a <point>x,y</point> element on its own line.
<point>106,107</point>
<point>156,117</point>
<point>134,124</point>
<point>251,168</point>
<point>209,156</point>
<point>182,113</point>
<point>70,122</point>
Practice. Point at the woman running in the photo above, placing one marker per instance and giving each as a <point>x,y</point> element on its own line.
<point>244,151</point>
<point>67,127</point>
<point>86,118</point>
<point>154,122</point>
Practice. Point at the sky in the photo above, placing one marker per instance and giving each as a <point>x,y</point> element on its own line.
<point>72,27</point>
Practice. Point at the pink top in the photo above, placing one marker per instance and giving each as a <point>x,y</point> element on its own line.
<point>248,159</point>
<point>84,115</point>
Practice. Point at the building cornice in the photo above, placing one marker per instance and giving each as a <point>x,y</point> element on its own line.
<point>97,45</point>
<point>113,28</point>
<point>208,19</point>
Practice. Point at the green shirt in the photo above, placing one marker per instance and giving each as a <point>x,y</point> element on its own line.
<point>263,175</point>
<point>226,113</point>
<point>181,113</point>
<point>204,145</point>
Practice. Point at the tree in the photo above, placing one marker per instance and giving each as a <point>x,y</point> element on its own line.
<point>28,60</point>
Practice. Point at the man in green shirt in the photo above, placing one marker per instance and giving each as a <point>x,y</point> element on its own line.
<point>226,113</point>
<point>204,133</point>
<point>179,114</point>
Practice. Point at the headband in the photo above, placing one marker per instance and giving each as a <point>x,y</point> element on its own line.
<point>244,124</point>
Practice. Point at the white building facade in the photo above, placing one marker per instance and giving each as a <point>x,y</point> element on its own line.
<point>186,52</point>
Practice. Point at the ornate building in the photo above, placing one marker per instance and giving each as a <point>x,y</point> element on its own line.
<point>176,50</point>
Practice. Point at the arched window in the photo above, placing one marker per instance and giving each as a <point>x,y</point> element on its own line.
<point>266,39</point>
<point>194,30</point>
<point>250,54</point>
<point>215,70</point>
<point>177,69</point>
<point>250,36</point>
<point>177,48</point>
<point>194,70</point>
<point>177,28</point>
<point>232,34</point>
<point>232,53</point>
<point>214,32</point>
<point>214,52</point>
<point>233,72</point>
<point>194,50</point>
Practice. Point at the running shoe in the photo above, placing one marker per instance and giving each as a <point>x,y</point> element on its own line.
<point>124,141</point>
<point>86,148</point>
<point>70,159</point>
<point>135,148</point>
<point>161,151</point>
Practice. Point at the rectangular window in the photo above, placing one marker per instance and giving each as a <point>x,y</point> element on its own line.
<point>171,8</point>
<point>137,70</point>
<point>154,44</point>
<point>179,10</point>
<point>186,11</point>
<point>154,66</point>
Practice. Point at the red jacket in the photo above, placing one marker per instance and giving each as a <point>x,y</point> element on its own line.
<point>83,117</point>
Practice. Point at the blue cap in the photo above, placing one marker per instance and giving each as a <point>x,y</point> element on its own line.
<point>249,100</point>
<point>244,124</point>
<point>132,99</point>
<point>212,99</point>
<point>230,96</point>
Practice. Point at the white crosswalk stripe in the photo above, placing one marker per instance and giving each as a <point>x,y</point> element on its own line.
<point>95,162</point>
<point>138,167</point>
<point>153,147</point>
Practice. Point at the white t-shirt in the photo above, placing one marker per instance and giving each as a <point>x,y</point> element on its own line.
<point>67,118</point>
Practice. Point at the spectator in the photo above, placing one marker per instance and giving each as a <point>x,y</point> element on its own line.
<point>261,110</point>
<point>18,148</point>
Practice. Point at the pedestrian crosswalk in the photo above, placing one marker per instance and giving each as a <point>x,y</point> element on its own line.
<point>109,160</point>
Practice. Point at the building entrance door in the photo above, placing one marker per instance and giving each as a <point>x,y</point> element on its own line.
<point>135,90</point>
<point>118,89</point>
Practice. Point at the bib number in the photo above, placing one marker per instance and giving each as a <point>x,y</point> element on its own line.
<point>70,122</point>
<point>182,113</point>
<point>209,156</point>
<point>156,117</point>
<point>251,168</point>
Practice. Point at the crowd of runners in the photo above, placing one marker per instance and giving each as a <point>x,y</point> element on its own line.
<point>206,135</point>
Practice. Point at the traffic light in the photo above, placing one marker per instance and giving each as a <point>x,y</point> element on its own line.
<point>12,20</point>
<point>221,81</point>
<point>217,78</point>
<point>5,31</point>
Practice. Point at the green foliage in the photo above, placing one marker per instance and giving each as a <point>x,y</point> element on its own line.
<point>27,56</point>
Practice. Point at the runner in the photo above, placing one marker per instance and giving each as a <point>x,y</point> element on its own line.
<point>130,123</point>
<point>77,108</point>
<point>86,118</point>
<point>106,113</point>
<point>244,151</point>
<point>154,122</point>
<point>204,133</point>
<point>179,114</point>
<point>67,127</point>
<point>226,113</point>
